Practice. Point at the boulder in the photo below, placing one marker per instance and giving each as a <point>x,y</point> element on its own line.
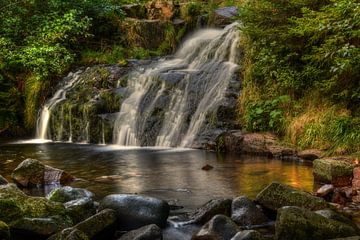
<point>220,227</point>
<point>301,224</point>
<point>310,154</point>
<point>134,211</point>
<point>224,16</point>
<point>14,205</point>
<point>336,172</point>
<point>248,235</point>
<point>4,231</point>
<point>66,194</point>
<point>3,180</point>
<point>330,214</point>
<point>325,190</point>
<point>32,172</point>
<point>99,226</point>
<point>245,213</point>
<point>210,209</point>
<point>149,232</point>
<point>277,195</point>
<point>80,209</point>
<point>39,227</point>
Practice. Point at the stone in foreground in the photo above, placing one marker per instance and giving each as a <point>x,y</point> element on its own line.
<point>336,172</point>
<point>32,172</point>
<point>150,232</point>
<point>248,235</point>
<point>134,211</point>
<point>277,195</point>
<point>300,224</point>
<point>210,209</point>
<point>245,213</point>
<point>66,194</point>
<point>80,209</point>
<point>219,227</point>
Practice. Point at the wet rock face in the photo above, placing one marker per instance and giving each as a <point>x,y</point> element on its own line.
<point>336,172</point>
<point>150,232</point>
<point>32,173</point>
<point>66,194</point>
<point>224,16</point>
<point>210,209</point>
<point>220,227</point>
<point>277,195</point>
<point>134,211</point>
<point>300,224</point>
<point>245,213</point>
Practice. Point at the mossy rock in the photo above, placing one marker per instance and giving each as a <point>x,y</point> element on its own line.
<point>69,234</point>
<point>4,231</point>
<point>67,193</point>
<point>300,224</point>
<point>339,173</point>
<point>80,209</point>
<point>14,204</point>
<point>277,195</point>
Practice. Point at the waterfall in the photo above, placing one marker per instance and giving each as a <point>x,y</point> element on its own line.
<point>42,127</point>
<point>180,93</point>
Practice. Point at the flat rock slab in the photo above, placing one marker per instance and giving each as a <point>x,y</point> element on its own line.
<point>336,172</point>
<point>277,195</point>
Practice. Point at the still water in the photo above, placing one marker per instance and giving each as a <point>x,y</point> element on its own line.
<point>171,174</point>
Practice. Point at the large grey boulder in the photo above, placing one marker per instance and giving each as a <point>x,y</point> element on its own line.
<point>220,227</point>
<point>224,16</point>
<point>245,213</point>
<point>277,195</point>
<point>300,224</point>
<point>135,211</point>
<point>149,232</point>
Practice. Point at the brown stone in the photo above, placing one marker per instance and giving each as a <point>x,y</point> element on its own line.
<point>159,9</point>
<point>325,190</point>
<point>207,167</point>
<point>356,173</point>
<point>310,154</point>
<point>356,184</point>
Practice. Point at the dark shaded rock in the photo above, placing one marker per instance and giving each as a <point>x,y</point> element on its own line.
<point>32,172</point>
<point>39,227</point>
<point>69,234</point>
<point>220,227</point>
<point>3,180</point>
<point>14,205</point>
<point>325,190</point>
<point>277,195</point>
<point>134,10</point>
<point>4,231</point>
<point>224,16</point>
<point>310,154</point>
<point>80,209</point>
<point>150,232</point>
<point>245,213</point>
<point>336,172</point>
<point>339,197</point>
<point>298,223</point>
<point>134,211</point>
<point>66,194</point>
<point>207,167</point>
<point>248,235</point>
<point>330,214</point>
<point>210,209</point>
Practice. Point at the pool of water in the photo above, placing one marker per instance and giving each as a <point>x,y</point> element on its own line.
<point>171,174</point>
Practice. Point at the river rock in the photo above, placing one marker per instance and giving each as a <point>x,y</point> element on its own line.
<point>325,190</point>
<point>39,227</point>
<point>4,231</point>
<point>330,214</point>
<point>301,224</point>
<point>32,172</point>
<point>80,209</point>
<point>134,211</point>
<point>3,180</point>
<point>210,209</point>
<point>66,194</point>
<point>224,16</point>
<point>14,205</point>
<point>245,213</point>
<point>149,232</point>
<point>336,172</point>
<point>310,154</point>
<point>220,227</point>
<point>277,195</point>
<point>248,235</point>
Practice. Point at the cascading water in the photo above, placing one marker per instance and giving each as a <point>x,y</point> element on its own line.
<point>170,101</point>
<point>179,100</point>
<point>42,128</point>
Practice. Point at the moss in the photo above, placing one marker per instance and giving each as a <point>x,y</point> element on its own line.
<point>329,170</point>
<point>4,231</point>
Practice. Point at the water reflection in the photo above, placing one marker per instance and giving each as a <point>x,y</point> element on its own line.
<point>171,174</point>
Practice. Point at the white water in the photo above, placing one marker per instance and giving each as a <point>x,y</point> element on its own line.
<point>207,62</point>
<point>42,127</point>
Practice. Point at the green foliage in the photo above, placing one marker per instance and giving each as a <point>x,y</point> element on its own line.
<point>266,115</point>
